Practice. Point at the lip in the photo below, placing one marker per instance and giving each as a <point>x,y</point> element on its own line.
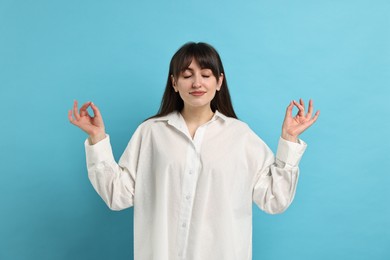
<point>197,93</point>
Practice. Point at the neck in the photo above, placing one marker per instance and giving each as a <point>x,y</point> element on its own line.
<point>197,116</point>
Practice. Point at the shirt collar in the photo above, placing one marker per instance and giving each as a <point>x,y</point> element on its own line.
<point>220,115</point>
<point>175,118</point>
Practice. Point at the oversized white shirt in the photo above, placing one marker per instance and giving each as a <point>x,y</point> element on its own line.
<point>192,197</point>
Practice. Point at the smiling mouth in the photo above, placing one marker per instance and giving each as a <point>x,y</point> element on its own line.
<point>197,93</point>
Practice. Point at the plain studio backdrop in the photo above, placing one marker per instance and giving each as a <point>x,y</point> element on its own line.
<point>116,53</point>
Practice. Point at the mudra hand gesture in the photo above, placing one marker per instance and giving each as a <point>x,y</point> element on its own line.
<point>294,126</point>
<point>92,125</point>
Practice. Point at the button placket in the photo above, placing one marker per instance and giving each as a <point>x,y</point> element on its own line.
<point>188,188</point>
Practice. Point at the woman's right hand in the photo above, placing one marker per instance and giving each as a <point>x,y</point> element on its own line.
<point>92,125</point>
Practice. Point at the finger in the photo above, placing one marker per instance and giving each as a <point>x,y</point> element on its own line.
<point>310,111</point>
<point>95,110</point>
<point>308,123</point>
<point>301,102</point>
<point>312,120</point>
<point>71,119</point>
<point>289,109</point>
<point>301,109</point>
<point>315,117</point>
<point>83,109</point>
<point>75,110</point>
<point>70,116</point>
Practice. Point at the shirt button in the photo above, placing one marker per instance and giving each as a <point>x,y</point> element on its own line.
<point>188,197</point>
<point>190,172</point>
<point>184,225</point>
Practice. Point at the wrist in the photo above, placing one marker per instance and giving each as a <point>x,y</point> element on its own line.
<point>94,139</point>
<point>290,138</point>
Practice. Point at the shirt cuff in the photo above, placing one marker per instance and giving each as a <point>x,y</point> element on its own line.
<point>290,152</point>
<point>98,152</point>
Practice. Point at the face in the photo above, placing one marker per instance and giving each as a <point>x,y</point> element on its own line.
<point>197,86</point>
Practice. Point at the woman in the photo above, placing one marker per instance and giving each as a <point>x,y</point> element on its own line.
<point>193,170</point>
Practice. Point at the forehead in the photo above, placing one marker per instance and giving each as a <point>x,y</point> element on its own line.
<point>194,65</point>
<point>189,61</point>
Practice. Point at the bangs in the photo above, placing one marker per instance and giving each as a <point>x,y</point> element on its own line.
<point>202,53</point>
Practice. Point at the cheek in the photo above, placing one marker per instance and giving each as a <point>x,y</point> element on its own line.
<point>184,95</point>
<point>183,85</point>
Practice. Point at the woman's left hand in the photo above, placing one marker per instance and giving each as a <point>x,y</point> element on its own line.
<point>294,126</point>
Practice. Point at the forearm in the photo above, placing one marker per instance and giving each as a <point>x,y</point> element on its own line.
<point>112,182</point>
<point>275,188</point>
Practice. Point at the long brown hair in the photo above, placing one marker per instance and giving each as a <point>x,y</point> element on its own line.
<point>207,57</point>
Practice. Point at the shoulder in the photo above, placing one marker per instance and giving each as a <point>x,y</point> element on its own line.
<point>156,122</point>
<point>242,131</point>
<point>147,129</point>
<point>234,124</point>
<point>244,140</point>
<point>238,131</point>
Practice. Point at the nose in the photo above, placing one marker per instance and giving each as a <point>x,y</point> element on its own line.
<point>197,82</point>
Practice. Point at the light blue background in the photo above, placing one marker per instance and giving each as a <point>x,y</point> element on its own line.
<point>116,53</point>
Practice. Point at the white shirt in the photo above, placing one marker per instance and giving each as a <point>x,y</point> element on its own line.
<point>193,198</point>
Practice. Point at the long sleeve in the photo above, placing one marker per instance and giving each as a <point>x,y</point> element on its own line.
<point>276,182</point>
<point>115,183</point>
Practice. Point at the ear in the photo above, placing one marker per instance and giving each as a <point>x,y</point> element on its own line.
<point>220,81</point>
<point>173,81</point>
